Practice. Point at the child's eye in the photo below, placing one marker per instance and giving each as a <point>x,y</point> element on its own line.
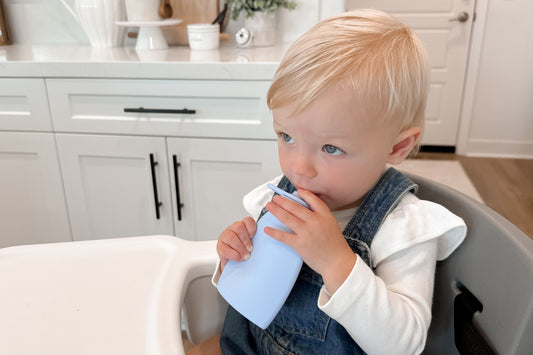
<point>332,150</point>
<point>287,138</point>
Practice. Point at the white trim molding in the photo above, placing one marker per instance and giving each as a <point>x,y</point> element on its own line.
<point>498,148</point>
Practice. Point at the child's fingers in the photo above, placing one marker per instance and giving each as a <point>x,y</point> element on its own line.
<point>229,246</point>
<point>234,243</point>
<point>251,226</point>
<point>314,202</point>
<point>284,237</point>
<point>289,213</point>
<point>292,207</point>
<point>242,231</point>
<point>226,253</point>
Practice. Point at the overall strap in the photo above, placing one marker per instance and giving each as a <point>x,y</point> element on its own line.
<point>286,185</point>
<point>379,202</point>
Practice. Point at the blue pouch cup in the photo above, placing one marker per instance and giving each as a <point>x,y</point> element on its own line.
<point>258,287</point>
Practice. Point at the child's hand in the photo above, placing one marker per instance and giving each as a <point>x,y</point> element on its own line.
<point>235,243</point>
<point>317,237</point>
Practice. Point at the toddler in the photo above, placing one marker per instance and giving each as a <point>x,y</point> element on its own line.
<point>347,101</point>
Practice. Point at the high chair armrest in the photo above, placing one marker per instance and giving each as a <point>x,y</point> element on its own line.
<point>198,297</point>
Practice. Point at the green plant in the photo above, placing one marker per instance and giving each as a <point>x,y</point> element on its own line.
<point>251,6</point>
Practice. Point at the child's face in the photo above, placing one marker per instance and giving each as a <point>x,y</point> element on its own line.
<point>336,147</point>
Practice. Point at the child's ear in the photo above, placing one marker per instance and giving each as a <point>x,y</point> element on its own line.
<point>403,144</point>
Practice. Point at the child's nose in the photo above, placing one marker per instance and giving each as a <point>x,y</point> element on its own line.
<point>303,165</point>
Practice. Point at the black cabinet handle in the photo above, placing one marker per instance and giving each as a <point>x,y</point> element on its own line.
<point>157,110</point>
<point>158,203</point>
<point>177,182</point>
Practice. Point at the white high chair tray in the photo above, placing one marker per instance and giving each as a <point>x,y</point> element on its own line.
<point>114,296</point>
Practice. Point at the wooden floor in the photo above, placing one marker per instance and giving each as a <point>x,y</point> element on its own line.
<point>506,185</point>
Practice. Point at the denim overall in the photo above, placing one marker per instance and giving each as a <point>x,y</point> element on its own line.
<point>301,327</point>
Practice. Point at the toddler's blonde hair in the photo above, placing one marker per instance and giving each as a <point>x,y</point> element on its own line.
<point>367,51</point>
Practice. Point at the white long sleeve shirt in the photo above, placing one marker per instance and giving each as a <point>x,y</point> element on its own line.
<point>387,310</point>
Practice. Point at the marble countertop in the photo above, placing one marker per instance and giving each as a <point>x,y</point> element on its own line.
<point>228,62</point>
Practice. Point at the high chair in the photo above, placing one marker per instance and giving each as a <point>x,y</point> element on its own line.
<point>483,298</point>
<point>124,296</point>
<point>111,296</point>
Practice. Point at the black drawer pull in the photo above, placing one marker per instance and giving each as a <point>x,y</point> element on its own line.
<point>158,110</point>
<point>177,183</point>
<point>158,204</point>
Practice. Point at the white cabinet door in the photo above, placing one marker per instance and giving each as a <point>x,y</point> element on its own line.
<point>32,201</point>
<point>213,176</point>
<point>444,26</point>
<point>109,185</point>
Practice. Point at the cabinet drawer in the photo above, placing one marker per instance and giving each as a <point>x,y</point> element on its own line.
<point>200,108</point>
<point>24,105</point>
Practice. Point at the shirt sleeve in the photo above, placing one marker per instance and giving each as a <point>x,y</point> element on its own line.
<point>389,311</point>
<point>415,221</point>
<point>255,200</point>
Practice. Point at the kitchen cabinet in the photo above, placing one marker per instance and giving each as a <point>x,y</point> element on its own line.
<point>214,175</point>
<point>206,108</point>
<point>119,186</point>
<point>24,105</point>
<point>181,155</point>
<point>32,202</point>
<point>109,185</point>
<point>131,154</point>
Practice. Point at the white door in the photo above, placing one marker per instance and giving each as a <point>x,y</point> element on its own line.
<point>32,201</point>
<point>444,27</point>
<point>213,176</point>
<point>111,187</point>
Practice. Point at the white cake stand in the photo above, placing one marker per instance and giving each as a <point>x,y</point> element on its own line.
<point>150,36</point>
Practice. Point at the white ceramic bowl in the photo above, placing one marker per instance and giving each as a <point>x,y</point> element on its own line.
<point>203,36</point>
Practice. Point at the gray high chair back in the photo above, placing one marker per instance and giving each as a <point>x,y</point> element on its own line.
<point>483,299</point>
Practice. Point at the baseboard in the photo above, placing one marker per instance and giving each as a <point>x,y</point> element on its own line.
<point>437,149</point>
<point>498,149</point>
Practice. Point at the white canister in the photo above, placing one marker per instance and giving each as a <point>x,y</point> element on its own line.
<point>203,36</point>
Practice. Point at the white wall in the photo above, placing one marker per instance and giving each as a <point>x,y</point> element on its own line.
<point>42,22</point>
<point>497,117</point>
